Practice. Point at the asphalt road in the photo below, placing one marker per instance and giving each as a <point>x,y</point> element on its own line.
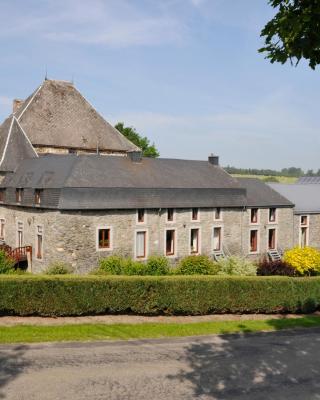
<point>282,365</point>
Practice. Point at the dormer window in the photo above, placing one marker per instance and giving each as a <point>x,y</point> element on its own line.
<point>2,194</point>
<point>37,196</point>
<point>19,195</point>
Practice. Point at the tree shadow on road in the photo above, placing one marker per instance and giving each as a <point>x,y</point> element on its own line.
<point>274,365</point>
<point>12,364</point>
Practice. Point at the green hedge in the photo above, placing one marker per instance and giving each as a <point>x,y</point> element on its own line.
<point>193,295</point>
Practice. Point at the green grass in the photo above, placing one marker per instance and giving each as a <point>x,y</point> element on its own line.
<point>89,332</point>
<point>281,179</point>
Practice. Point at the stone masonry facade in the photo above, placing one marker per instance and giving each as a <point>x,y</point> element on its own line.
<point>71,236</point>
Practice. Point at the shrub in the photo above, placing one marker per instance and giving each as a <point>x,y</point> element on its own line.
<point>117,265</point>
<point>268,267</point>
<point>305,260</point>
<point>131,267</point>
<point>236,266</point>
<point>196,265</point>
<point>59,268</point>
<point>191,295</point>
<point>111,265</point>
<point>157,265</point>
<point>6,264</point>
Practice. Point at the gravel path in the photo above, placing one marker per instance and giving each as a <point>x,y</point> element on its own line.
<point>136,319</point>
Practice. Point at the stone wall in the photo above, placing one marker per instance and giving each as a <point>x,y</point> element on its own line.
<point>72,236</point>
<point>313,230</point>
<point>284,226</point>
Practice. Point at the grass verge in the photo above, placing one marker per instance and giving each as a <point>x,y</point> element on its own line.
<point>90,332</point>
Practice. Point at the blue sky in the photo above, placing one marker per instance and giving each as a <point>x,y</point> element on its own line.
<point>185,73</point>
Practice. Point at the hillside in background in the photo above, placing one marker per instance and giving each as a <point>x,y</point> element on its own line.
<point>268,178</point>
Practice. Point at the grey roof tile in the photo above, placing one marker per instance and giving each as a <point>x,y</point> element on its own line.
<point>259,194</point>
<point>92,181</point>
<point>305,197</point>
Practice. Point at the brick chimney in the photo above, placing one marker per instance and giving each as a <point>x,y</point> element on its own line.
<point>214,160</point>
<point>16,104</point>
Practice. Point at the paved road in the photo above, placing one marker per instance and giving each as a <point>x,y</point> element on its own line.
<point>283,365</point>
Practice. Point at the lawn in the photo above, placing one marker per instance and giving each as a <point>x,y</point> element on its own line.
<point>281,179</point>
<point>89,332</point>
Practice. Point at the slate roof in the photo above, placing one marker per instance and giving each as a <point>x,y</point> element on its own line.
<point>57,115</point>
<point>305,197</point>
<point>109,182</point>
<point>308,179</point>
<point>259,194</point>
<point>14,145</point>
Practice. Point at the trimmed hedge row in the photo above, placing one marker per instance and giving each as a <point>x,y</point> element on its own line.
<point>192,295</point>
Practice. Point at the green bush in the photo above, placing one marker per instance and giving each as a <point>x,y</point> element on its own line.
<point>111,265</point>
<point>6,264</point>
<point>59,268</point>
<point>196,265</point>
<point>236,266</point>
<point>157,265</point>
<point>117,265</point>
<point>191,295</point>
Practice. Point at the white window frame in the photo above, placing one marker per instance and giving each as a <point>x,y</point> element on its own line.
<point>36,243</point>
<point>175,242</point>
<point>276,219</point>
<point>17,233</point>
<point>145,216</point>
<point>307,226</point>
<point>258,241</point>
<point>212,237</point>
<point>258,216</point>
<point>97,238</point>
<point>276,237</point>
<point>195,220</point>
<point>146,244</point>
<point>174,216</point>
<point>214,214</point>
<point>4,228</point>
<point>199,240</point>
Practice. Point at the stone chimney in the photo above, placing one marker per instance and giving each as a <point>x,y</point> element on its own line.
<point>16,104</point>
<point>214,160</point>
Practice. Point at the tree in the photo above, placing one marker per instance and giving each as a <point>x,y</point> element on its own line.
<point>148,150</point>
<point>293,33</point>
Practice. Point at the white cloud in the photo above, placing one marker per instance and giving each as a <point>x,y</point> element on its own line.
<point>261,137</point>
<point>112,23</point>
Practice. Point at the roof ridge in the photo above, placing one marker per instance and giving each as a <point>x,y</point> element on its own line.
<point>26,136</point>
<point>30,101</point>
<point>7,141</point>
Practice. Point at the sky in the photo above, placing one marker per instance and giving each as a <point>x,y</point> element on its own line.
<point>184,73</point>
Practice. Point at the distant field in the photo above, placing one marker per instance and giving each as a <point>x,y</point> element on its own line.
<point>281,179</point>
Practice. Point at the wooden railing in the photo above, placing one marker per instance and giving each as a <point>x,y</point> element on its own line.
<point>18,254</point>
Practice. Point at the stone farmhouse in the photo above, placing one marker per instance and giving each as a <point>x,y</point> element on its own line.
<point>306,197</point>
<point>74,189</point>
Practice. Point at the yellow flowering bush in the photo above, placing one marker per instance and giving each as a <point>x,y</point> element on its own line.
<point>305,260</point>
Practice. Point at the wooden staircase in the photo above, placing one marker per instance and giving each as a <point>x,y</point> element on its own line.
<point>274,255</point>
<point>17,254</point>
